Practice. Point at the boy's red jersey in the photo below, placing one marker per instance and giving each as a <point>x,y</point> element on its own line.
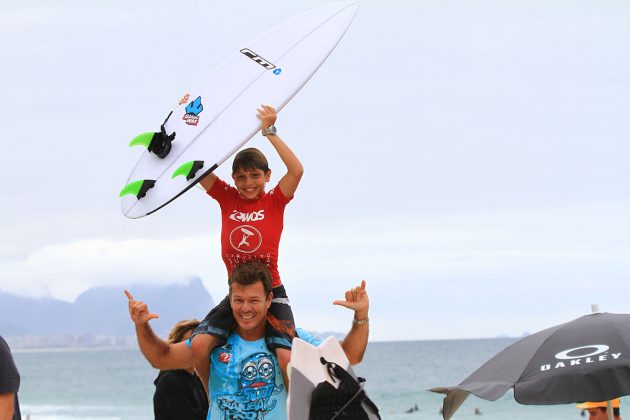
<point>250,229</point>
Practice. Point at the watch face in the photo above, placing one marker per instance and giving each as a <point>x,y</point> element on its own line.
<point>268,131</point>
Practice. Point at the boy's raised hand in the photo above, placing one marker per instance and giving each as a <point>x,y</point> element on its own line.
<point>267,116</point>
<point>138,310</point>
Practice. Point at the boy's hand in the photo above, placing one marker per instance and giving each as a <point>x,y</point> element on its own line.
<point>138,310</point>
<point>357,300</point>
<point>267,116</point>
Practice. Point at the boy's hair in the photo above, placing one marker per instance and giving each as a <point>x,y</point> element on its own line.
<point>180,329</point>
<point>250,159</point>
<point>249,273</point>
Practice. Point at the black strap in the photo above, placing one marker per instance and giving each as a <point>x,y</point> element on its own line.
<point>161,142</point>
<point>359,392</point>
<point>337,373</point>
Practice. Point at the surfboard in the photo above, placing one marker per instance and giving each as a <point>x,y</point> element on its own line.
<point>306,372</point>
<point>212,121</point>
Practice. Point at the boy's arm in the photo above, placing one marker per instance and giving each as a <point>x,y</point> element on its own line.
<point>290,181</point>
<point>208,181</point>
<point>356,341</point>
<point>160,354</point>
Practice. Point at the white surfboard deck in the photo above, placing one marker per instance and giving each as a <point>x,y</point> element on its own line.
<point>306,372</point>
<point>269,70</point>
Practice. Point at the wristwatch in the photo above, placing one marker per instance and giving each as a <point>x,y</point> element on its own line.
<point>269,131</point>
<point>361,321</point>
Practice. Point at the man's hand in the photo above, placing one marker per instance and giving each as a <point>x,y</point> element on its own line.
<point>267,116</point>
<point>138,310</point>
<point>159,353</point>
<point>357,300</point>
<point>355,343</point>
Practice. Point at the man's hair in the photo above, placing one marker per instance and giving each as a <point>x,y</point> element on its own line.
<point>250,159</point>
<point>180,329</point>
<point>251,272</point>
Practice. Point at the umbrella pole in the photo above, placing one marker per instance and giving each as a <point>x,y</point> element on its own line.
<point>609,410</point>
<point>609,407</point>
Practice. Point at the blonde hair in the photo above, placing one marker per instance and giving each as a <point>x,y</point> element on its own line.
<point>180,329</point>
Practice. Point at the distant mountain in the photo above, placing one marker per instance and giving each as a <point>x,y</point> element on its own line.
<point>103,310</point>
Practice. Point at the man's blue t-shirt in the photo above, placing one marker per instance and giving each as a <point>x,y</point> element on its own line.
<point>246,380</point>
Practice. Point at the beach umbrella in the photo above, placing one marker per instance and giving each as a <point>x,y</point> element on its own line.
<point>587,359</point>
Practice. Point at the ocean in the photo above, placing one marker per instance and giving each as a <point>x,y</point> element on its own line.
<point>118,384</point>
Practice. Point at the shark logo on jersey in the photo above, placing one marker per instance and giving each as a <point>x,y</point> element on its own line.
<point>246,239</point>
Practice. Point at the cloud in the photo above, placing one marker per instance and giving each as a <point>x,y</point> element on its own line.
<point>65,270</point>
<point>477,266</point>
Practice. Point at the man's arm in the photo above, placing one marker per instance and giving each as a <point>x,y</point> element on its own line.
<point>290,181</point>
<point>160,354</point>
<point>355,343</point>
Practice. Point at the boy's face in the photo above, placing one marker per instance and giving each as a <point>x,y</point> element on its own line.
<point>251,183</point>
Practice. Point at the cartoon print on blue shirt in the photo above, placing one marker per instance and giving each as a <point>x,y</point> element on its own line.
<point>257,385</point>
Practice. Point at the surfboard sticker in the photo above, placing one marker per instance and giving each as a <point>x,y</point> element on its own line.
<point>212,121</point>
<point>193,109</point>
<point>306,372</point>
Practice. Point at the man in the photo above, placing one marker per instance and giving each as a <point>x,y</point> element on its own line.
<point>599,410</point>
<point>245,379</point>
<point>9,384</point>
<point>179,393</point>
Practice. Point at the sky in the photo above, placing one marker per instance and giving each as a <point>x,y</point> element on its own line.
<point>468,159</point>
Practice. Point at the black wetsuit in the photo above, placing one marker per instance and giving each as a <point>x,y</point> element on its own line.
<point>9,377</point>
<point>179,395</point>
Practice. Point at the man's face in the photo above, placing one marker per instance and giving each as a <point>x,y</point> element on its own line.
<point>249,306</point>
<point>597,414</point>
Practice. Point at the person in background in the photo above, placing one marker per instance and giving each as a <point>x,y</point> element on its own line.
<point>599,410</point>
<point>9,384</point>
<point>179,393</point>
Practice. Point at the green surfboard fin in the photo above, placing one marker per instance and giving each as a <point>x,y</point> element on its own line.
<point>143,139</point>
<point>137,188</point>
<point>188,169</point>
